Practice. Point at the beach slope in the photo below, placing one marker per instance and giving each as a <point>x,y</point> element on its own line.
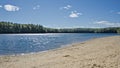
<point>95,53</point>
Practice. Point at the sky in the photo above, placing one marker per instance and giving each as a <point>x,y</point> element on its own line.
<point>62,13</point>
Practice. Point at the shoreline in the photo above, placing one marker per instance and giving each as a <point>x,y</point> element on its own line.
<point>86,54</point>
<point>62,47</point>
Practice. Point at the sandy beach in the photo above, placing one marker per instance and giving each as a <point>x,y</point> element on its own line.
<point>94,53</point>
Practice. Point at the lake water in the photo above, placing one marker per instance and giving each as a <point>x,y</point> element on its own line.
<point>27,43</point>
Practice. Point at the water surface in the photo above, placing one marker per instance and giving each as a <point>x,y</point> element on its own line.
<point>27,43</point>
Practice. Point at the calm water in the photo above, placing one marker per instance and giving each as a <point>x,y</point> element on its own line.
<point>27,43</point>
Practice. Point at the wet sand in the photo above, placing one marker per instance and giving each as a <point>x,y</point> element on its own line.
<point>95,53</point>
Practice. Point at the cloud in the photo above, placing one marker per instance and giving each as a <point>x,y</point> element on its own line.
<point>74,14</point>
<point>107,23</point>
<point>118,12</point>
<point>104,23</point>
<point>66,7</point>
<point>9,7</point>
<point>0,6</point>
<point>36,7</point>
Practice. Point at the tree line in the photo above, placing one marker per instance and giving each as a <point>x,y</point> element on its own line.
<point>9,27</point>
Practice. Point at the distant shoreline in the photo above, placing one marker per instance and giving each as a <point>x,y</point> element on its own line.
<point>98,52</point>
<point>10,27</point>
<point>56,33</point>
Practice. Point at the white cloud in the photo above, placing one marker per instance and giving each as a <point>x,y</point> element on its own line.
<point>36,7</point>
<point>104,23</point>
<point>0,6</point>
<point>9,7</point>
<point>66,7</point>
<point>107,23</point>
<point>118,12</point>
<point>74,14</point>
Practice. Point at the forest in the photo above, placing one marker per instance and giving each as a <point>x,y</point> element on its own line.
<point>9,27</point>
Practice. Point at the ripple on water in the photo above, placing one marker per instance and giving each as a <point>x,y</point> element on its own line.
<point>30,43</point>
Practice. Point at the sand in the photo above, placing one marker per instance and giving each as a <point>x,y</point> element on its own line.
<point>95,53</point>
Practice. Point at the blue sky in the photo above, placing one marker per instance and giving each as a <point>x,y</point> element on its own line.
<point>62,13</point>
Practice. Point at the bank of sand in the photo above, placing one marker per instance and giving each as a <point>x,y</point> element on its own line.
<point>95,53</point>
